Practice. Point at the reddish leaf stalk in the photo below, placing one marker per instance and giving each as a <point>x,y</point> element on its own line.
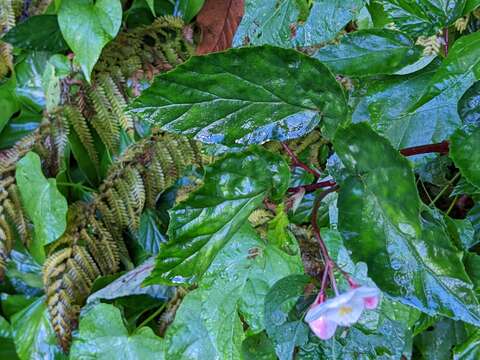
<point>296,162</point>
<point>441,148</point>
<point>445,38</point>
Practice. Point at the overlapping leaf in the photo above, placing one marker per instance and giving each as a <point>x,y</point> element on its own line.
<point>370,52</point>
<point>245,96</point>
<point>233,187</point>
<point>410,258</point>
<point>464,151</point>
<point>88,26</point>
<point>45,205</point>
<point>291,23</point>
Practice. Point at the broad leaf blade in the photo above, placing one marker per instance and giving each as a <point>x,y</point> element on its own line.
<point>207,324</point>
<point>370,52</point>
<point>88,26</point>
<point>386,104</point>
<point>379,217</point>
<point>290,23</point>
<point>45,205</point>
<point>103,335</point>
<point>200,226</point>
<point>219,99</point>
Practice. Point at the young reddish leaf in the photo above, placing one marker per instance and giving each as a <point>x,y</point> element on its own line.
<point>218,21</point>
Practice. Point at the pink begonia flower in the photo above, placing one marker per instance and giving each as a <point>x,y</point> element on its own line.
<point>343,310</point>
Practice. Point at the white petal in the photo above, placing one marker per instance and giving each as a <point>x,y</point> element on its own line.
<point>347,314</point>
<point>317,310</point>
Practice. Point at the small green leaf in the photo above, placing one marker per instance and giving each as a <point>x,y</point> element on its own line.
<point>103,336</point>
<point>464,151</point>
<point>151,5</point>
<point>51,88</point>
<point>44,204</point>
<point>423,17</point>
<point>33,334</point>
<point>409,257</point>
<point>370,52</point>
<point>188,9</point>
<point>290,23</point>
<point>207,325</point>
<point>285,332</point>
<point>205,222</point>
<point>258,347</point>
<point>470,349</point>
<point>218,98</point>
<point>149,235</point>
<point>88,26</point>
<point>37,33</point>
<point>462,232</point>
<point>471,5</point>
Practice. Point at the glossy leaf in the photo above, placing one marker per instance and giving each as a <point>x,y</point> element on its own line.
<point>470,349</point>
<point>285,332</point>
<point>457,73</point>
<point>464,152</point>
<point>87,27</point>
<point>438,343</point>
<point>471,5</point>
<point>149,236</point>
<point>102,335</point>
<point>188,9</point>
<point>411,260</point>
<point>38,33</point>
<point>370,52</point>
<point>462,232</point>
<point>469,105</point>
<point>33,334</point>
<point>8,102</point>
<point>201,226</point>
<point>207,325</point>
<point>290,23</point>
<point>386,104</point>
<point>218,99</point>
<point>423,17</point>
<point>44,204</point>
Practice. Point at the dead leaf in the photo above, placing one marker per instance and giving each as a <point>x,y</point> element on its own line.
<point>218,20</point>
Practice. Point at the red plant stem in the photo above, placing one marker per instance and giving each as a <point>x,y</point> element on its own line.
<point>441,148</point>
<point>298,163</point>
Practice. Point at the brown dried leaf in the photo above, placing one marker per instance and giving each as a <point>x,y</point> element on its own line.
<point>218,21</point>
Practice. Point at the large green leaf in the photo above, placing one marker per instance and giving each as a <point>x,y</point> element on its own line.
<point>471,5</point>
<point>33,334</point>
<point>410,258</point>
<point>207,325</point>
<point>102,335</point>
<point>285,330</point>
<point>464,151</point>
<point>244,96</point>
<point>88,26</point>
<point>44,204</point>
<point>469,105</point>
<point>423,17</point>
<point>40,33</point>
<point>457,73</point>
<point>386,104</point>
<point>370,52</point>
<point>290,23</point>
<point>199,227</point>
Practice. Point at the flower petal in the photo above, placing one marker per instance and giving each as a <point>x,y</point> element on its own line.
<point>317,310</point>
<point>346,314</point>
<point>323,328</point>
<point>371,302</point>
